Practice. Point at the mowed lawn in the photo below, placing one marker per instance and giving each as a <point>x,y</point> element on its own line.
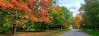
<point>92,32</point>
<point>44,33</point>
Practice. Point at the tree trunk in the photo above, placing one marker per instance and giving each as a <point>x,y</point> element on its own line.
<point>61,28</point>
<point>14,29</point>
<point>29,29</point>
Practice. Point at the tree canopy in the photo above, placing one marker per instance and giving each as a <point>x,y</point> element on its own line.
<point>90,15</point>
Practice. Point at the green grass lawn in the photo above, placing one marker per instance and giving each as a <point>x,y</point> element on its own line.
<point>49,33</point>
<point>42,33</point>
<point>58,32</point>
<point>92,32</point>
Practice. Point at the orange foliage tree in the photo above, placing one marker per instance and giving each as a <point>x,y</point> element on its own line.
<point>78,19</point>
<point>21,11</point>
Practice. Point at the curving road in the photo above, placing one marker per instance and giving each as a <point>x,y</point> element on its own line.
<point>74,32</point>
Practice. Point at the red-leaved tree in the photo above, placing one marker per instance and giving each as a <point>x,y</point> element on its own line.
<point>20,11</point>
<point>78,19</point>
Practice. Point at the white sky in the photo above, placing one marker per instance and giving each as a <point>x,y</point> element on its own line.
<point>72,5</point>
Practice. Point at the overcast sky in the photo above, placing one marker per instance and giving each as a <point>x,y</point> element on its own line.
<point>72,5</point>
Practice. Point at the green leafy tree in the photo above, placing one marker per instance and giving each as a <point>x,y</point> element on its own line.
<point>90,15</point>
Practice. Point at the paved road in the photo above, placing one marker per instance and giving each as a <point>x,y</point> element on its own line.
<point>74,32</point>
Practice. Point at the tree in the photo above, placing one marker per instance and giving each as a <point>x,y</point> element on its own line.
<point>91,14</point>
<point>60,17</point>
<point>78,19</point>
<point>68,18</point>
<point>18,12</point>
<point>57,17</point>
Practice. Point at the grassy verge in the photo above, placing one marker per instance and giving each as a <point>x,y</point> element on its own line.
<point>42,33</point>
<point>92,32</point>
<point>58,32</point>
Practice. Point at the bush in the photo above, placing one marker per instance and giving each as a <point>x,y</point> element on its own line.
<point>38,26</point>
<point>6,28</point>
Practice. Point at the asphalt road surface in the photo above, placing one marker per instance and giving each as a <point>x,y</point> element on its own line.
<point>74,32</point>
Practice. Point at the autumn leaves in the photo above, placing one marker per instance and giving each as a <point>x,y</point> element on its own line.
<point>27,9</point>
